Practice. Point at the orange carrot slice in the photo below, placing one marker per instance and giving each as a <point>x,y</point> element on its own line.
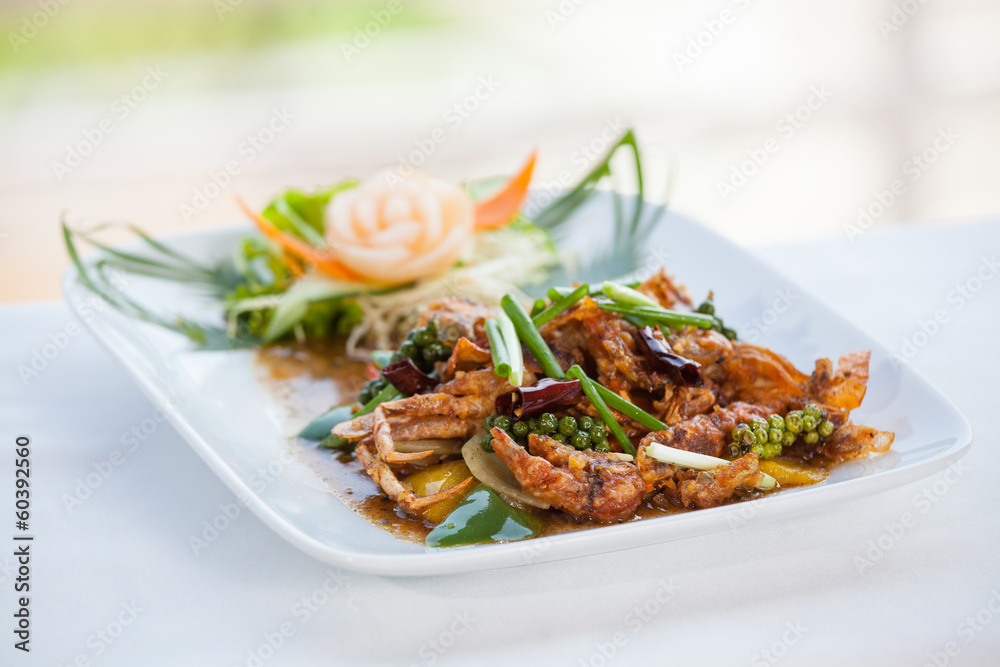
<point>500,209</point>
<point>297,247</point>
<point>293,264</point>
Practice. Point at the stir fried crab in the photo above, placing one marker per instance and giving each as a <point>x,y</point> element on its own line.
<point>738,383</point>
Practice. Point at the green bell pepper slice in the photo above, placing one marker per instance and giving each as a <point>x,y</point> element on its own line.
<point>481,518</point>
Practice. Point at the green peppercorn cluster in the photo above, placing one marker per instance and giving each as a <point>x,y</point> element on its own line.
<point>767,437</point>
<point>424,346</point>
<point>582,433</point>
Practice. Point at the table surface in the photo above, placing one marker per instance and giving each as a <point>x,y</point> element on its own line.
<point>118,580</point>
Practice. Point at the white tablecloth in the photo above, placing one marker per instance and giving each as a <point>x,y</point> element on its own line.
<point>116,579</point>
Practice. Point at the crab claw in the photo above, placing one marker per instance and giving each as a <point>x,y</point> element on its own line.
<point>386,448</point>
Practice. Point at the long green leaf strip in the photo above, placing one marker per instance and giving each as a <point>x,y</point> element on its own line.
<point>498,349</point>
<point>528,334</point>
<point>589,388</point>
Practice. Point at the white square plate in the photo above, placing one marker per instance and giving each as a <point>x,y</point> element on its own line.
<point>232,421</point>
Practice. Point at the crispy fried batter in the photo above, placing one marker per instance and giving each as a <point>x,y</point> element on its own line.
<point>844,389</point>
<point>757,375</point>
<point>709,348</point>
<point>705,434</point>
<point>606,339</point>
<point>686,488</point>
<point>465,356</point>
<point>663,288</point>
<point>852,441</point>
<point>682,403</point>
<point>455,410</point>
<point>583,484</point>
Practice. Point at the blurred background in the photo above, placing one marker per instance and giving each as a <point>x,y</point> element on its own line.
<point>783,120</point>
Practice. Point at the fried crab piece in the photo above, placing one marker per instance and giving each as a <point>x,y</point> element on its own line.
<point>583,484</point>
<point>707,433</point>
<point>465,356</point>
<point>586,330</point>
<point>687,488</point>
<point>382,474</point>
<point>470,395</point>
<point>852,441</point>
<point>844,388</point>
<point>455,410</point>
<point>757,375</point>
<point>682,403</point>
<point>709,348</point>
<point>662,287</point>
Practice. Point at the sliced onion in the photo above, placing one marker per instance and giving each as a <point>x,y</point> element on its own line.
<point>491,471</point>
<point>440,446</point>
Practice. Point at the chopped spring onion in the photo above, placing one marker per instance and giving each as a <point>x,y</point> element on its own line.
<point>528,334</point>
<point>662,315</point>
<point>679,457</point>
<point>498,349</point>
<point>556,293</point>
<point>590,389</point>
<point>513,345</point>
<point>628,409</point>
<point>628,296</point>
<point>558,306</point>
